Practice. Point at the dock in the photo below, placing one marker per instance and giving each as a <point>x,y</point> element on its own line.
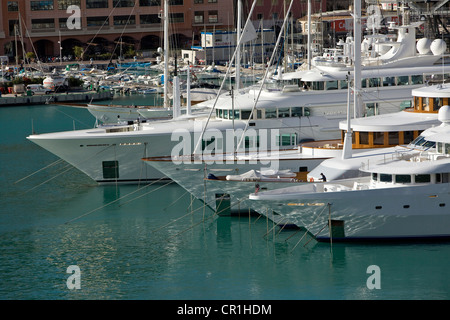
<point>8,100</point>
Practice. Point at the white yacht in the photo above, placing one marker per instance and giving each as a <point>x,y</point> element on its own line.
<point>113,114</point>
<point>227,179</point>
<point>113,154</point>
<point>402,198</point>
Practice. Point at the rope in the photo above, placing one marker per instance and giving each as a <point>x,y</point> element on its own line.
<point>68,164</point>
<point>203,220</point>
<point>147,192</point>
<point>46,167</point>
<point>101,207</point>
<point>306,232</point>
<point>171,204</point>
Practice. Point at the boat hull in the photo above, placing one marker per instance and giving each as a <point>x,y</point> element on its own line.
<point>404,213</point>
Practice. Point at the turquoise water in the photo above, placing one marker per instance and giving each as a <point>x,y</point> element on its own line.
<point>155,242</point>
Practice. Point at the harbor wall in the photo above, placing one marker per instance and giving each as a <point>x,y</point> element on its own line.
<point>80,97</point>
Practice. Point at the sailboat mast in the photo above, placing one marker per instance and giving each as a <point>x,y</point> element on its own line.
<point>238,55</point>
<point>308,51</point>
<point>347,149</point>
<point>166,52</point>
<point>357,58</point>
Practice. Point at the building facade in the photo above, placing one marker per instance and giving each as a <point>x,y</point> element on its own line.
<point>52,28</point>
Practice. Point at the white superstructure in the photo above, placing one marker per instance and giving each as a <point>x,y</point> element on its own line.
<point>402,198</point>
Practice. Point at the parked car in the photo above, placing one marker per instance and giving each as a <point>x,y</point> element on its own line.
<point>38,89</point>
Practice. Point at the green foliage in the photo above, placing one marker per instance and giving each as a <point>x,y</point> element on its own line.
<point>74,82</point>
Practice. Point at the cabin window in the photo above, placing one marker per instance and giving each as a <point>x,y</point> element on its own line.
<point>374,82</point>
<point>374,176</point>
<point>364,83</point>
<point>393,138</point>
<point>110,169</point>
<point>402,178</point>
<point>440,147</point>
<point>417,103</point>
<point>425,104</point>
<point>258,114</point>
<point>364,138</point>
<point>251,142</point>
<point>371,109</point>
<point>422,178</point>
<point>419,141</point>
<point>405,104</point>
<point>417,79</point>
<point>236,114</point>
<point>429,144</point>
<point>271,113</point>
<point>403,80</point>
<point>388,81</point>
<point>245,115</point>
<point>283,113</point>
<point>287,139</point>
<point>378,138</point>
<point>436,104</point>
<point>438,178</point>
<point>343,84</point>
<point>306,112</point>
<point>220,113</point>
<point>296,111</point>
<point>331,85</point>
<point>447,148</point>
<point>225,114</point>
<point>317,85</point>
<point>408,136</point>
<point>385,177</point>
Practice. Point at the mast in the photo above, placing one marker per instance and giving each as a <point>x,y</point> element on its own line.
<point>238,55</point>
<point>357,58</point>
<point>309,35</point>
<point>166,52</point>
<point>347,149</point>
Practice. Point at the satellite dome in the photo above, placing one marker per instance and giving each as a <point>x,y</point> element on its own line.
<point>423,46</point>
<point>438,47</point>
<point>444,114</point>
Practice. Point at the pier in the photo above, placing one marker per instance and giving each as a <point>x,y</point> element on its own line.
<point>8,100</point>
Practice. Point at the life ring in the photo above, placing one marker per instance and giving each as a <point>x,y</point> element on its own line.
<point>311,179</point>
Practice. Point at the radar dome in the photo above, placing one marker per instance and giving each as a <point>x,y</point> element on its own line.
<point>438,47</point>
<point>444,114</point>
<point>423,46</point>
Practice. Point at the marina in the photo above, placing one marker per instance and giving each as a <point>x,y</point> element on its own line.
<point>241,170</point>
<point>154,248</point>
<point>74,97</point>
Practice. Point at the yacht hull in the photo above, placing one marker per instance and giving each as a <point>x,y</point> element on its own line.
<point>402,213</point>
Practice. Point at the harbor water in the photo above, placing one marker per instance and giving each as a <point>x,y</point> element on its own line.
<point>154,242</point>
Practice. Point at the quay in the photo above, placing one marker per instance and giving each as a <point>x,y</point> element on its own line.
<point>7,100</point>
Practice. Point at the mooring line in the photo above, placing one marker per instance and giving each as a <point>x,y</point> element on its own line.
<point>175,201</point>
<point>39,170</point>
<point>306,232</point>
<point>109,203</point>
<point>147,193</point>
<point>68,164</point>
<point>204,220</point>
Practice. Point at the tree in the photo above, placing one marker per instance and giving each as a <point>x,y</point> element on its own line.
<point>78,52</point>
<point>30,56</point>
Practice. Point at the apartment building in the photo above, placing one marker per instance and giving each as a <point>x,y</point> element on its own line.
<point>54,27</point>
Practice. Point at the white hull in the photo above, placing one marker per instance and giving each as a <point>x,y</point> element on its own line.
<point>192,177</point>
<point>400,213</point>
<point>322,112</point>
<point>87,150</point>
